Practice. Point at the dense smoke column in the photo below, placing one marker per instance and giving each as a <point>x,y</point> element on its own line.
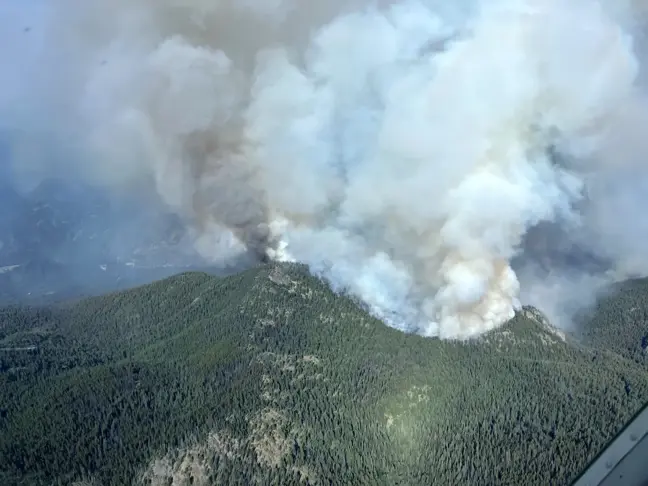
<point>437,162</point>
<point>450,158</point>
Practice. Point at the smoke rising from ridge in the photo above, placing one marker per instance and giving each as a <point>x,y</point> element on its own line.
<point>440,161</point>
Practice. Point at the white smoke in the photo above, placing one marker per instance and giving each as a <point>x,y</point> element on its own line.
<point>402,149</point>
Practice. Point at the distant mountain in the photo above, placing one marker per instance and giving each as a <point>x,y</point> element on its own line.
<point>64,240</point>
<point>268,377</point>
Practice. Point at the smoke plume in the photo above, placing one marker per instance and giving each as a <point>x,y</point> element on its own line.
<point>439,161</point>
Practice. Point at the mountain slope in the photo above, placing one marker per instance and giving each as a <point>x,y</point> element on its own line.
<point>267,377</point>
<point>619,322</point>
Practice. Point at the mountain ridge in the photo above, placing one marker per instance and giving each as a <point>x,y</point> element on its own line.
<point>269,377</point>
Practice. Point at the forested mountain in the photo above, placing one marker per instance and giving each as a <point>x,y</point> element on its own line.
<point>268,377</point>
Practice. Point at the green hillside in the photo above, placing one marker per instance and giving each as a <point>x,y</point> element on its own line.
<point>267,377</point>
